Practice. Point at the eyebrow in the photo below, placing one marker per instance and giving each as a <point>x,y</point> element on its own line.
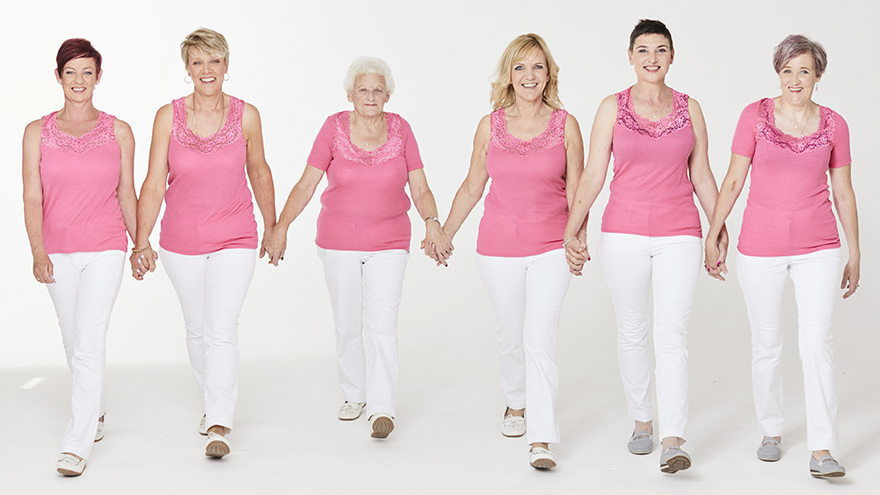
<point>658,46</point>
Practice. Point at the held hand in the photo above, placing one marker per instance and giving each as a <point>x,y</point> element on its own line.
<point>850,280</point>
<point>577,253</point>
<point>143,262</point>
<point>43,269</point>
<point>437,243</point>
<point>274,244</point>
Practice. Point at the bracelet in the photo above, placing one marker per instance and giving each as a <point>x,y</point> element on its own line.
<point>141,250</point>
<point>566,242</point>
<point>432,218</point>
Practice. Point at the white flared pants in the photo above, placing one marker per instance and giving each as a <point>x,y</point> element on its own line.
<point>527,295</point>
<point>211,289</point>
<point>365,292</point>
<point>85,288</point>
<point>816,277</point>
<point>632,265</point>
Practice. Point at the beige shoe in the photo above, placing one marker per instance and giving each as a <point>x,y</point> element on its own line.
<point>381,424</point>
<point>541,458</point>
<point>216,446</point>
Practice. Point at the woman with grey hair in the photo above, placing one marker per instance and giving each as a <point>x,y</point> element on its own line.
<point>363,238</point>
<point>792,145</point>
<point>205,148</point>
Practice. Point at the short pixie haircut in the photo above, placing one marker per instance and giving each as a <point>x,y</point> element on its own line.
<point>368,65</point>
<point>649,26</point>
<point>205,40</point>
<point>794,45</point>
<point>76,48</point>
<point>502,94</point>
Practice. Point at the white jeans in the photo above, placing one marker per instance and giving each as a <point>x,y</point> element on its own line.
<point>211,289</point>
<point>365,291</point>
<point>85,288</point>
<point>816,277</point>
<point>632,264</point>
<point>527,294</point>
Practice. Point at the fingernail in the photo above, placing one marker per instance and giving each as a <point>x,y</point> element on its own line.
<point>589,259</point>
<point>719,264</point>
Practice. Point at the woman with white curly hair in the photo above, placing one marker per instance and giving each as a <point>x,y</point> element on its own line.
<point>363,238</point>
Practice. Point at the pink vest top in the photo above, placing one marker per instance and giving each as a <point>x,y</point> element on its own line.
<point>79,177</point>
<point>651,192</point>
<point>526,210</point>
<point>788,211</point>
<point>208,205</point>
<point>364,206</point>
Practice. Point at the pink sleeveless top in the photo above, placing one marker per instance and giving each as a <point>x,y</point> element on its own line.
<point>208,205</point>
<point>788,211</point>
<point>364,207</point>
<point>526,210</point>
<point>79,177</point>
<point>651,192</point>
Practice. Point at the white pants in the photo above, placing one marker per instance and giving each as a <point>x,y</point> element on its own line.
<point>816,277</point>
<point>365,291</point>
<point>85,288</point>
<point>211,289</point>
<point>632,264</point>
<point>527,294</point>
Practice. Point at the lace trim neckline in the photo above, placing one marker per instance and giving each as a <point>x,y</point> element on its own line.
<point>101,134</point>
<point>550,137</point>
<point>392,147</point>
<point>227,134</point>
<point>766,129</point>
<point>677,119</point>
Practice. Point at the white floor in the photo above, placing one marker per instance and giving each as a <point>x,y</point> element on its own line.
<point>446,438</point>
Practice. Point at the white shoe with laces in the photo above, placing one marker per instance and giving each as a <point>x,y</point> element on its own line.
<point>541,458</point>
<point>351,410</point>
<point>203,427</point>
<point>216,446</point>
<point>513,426</point>
<point>70,465</point>
<point>99,433</point>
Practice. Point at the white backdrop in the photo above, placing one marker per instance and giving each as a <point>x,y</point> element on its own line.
<point>289,58</point>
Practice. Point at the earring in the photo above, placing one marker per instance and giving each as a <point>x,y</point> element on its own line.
<point>226,76</point>
<point>187,77</point>
<point>816,88</point>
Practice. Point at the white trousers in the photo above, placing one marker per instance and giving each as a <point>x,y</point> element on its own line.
<point>85,288</point>
<point>365,291</point>
<point>632,264</point>
<point>211,289</point>
<point>527,294</point>
<point>816,277</point>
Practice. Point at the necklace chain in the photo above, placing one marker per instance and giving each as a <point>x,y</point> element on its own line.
<point>196,121</point>
<point>649,107</point>
<point>796,127</point>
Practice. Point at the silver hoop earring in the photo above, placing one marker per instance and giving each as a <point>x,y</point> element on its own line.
<point>226,76</point>
<point>187,77</point>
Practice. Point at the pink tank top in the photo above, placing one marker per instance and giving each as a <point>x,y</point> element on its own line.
<point>526,210</point>
<point>651,192</point>
<point>788,211</point>
<point>79,177</point>
<point>208,205</point>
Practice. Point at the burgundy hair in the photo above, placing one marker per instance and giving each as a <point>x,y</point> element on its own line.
<point>77,48</point>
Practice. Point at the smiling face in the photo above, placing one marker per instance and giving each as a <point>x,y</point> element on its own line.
<point>369,94</point>
<point>78,78</point>
<point>529,76</point>
<point>797,78</point>
<point>207,71</point>
<point>651,57</point>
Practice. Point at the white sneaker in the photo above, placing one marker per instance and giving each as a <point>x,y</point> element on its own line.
<point>513,426</point>
<point>99,433</point>
<point>70,465</point>
<point>216,446</point>
<point>351,410</point>
<point>541,458</point>
<point>203,427</point>
<point>381,424</point>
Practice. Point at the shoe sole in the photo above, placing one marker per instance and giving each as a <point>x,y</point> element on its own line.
<point>348,419</point>
<point>640,452</point>
<point>543,464</point>
<point>382,427</point>
<point>98,439</point>
<point>676,464</point>
<point>832,474</point>
<point>216,449</point>
<point>513,436</point>
<point>769,459</point>
<point>68,472</point>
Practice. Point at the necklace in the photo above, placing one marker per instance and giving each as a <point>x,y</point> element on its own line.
<point>196,121</point>
<point>649,107</point>
<point>803,122</point>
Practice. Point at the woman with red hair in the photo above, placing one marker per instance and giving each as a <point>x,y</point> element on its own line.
<point>79,201</point>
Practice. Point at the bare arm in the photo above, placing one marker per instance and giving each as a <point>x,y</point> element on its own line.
<point>845,204</point>
<point>125,190</point>
<point>152,194</point>
<point>591,182</point>
<point>731,188</point>
<point>260,175</point>
<point>471,190</point>
<point>32,195</point>
<point>437,245</point>
<point>297,200</point>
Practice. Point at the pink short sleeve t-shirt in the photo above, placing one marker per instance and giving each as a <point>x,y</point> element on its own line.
<point>79,176</point>
<point>651,191</point>
<point>364,207</point>
<point>788,211</point>
<point>526,210</point>
<point>208,205</point>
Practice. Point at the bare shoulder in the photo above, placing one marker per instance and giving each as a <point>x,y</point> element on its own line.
<point>571,123</point>
<point>34,128</point>
<point>484,131</point>
<point>122,130</point>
